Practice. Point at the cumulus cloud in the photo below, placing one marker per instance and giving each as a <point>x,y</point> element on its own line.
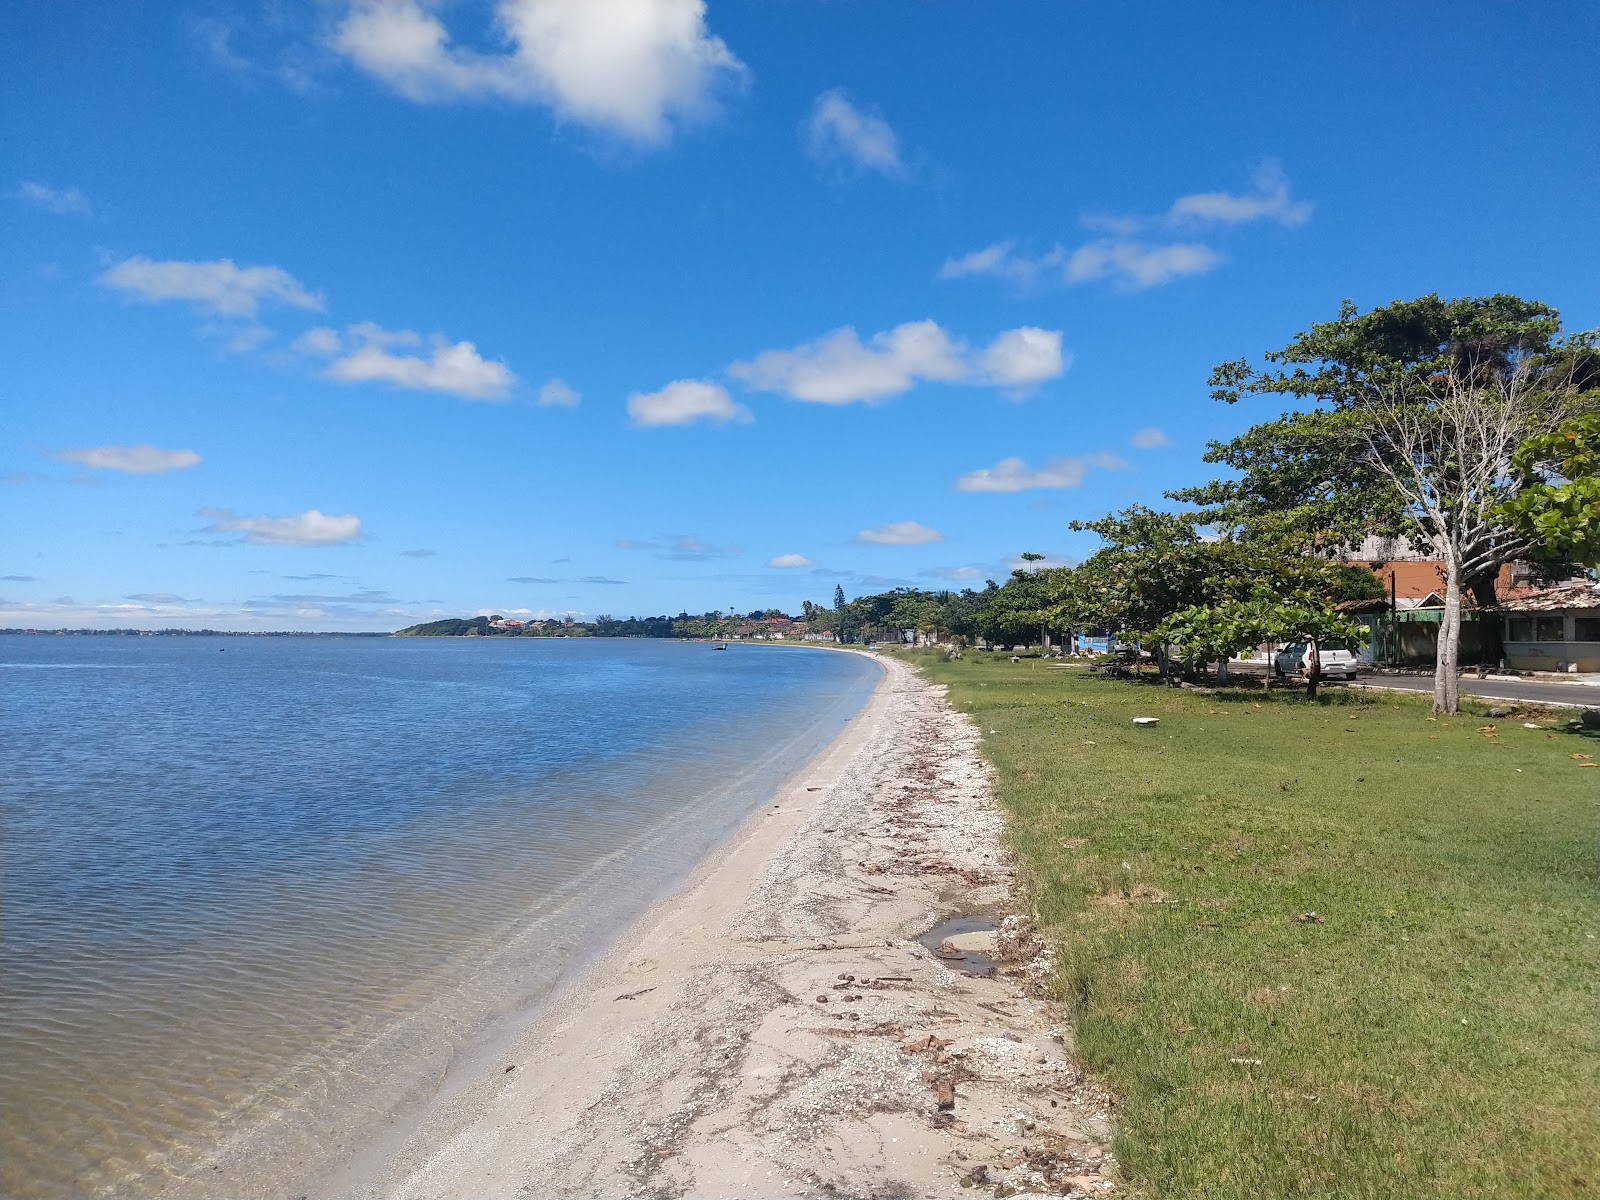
<point>218,286</point>
<point>839,133</point>
<point>65,202</point>
<point>1014,475</point>
<point>683,402</point>
<point>142,459</point>
<point>1022,357</point>
<point>309,528</point>
<point>367,352</point>
<point>839,368</point>
<point>19,579</point>
<point>632,67</point>
<point>898,533</point>
<point>1149,438</point>
<point>1269,201</point>
<point>157,598</point>
<point>556,393</point>
<point>787,562</point>
<point>531,579</point>
<point>601,579</point>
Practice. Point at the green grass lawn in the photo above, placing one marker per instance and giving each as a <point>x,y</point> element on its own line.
<point>1436,1034</point>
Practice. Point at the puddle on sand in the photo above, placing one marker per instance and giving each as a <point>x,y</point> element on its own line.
<point>970,961</point>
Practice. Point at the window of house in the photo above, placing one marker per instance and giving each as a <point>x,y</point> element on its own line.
<point>1549,629</point>
<point>1521,630</point>
<point>1586,629</point>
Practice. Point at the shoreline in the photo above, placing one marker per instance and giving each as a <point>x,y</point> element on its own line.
<point>773,1027</point>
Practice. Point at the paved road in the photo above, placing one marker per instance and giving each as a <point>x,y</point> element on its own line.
<point>1533,691</point>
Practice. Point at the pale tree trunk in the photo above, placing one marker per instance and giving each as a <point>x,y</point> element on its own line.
<point>1446,670</point>
<point>1314,677</point>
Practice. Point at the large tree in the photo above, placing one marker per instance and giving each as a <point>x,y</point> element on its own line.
<point>1416,410</point>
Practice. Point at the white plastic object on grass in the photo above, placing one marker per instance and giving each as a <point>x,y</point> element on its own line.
<point>1147,720</point>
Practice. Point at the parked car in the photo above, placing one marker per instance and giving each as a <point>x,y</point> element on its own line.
<point>1295,659</point>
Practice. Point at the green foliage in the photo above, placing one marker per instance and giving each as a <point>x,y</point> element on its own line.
<point>1559,507</point>
<point>1312,474</point>
<point>450,627</point>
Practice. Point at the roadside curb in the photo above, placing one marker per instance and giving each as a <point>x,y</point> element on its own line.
<point>1595,703</point>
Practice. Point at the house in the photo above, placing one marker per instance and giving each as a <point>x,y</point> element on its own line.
<point>1553,628</point>
<point>1408,573</point>
<point>1405,632</point>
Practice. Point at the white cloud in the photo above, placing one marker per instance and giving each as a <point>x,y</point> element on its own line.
<point>321,340</point>
<point>309,528</point>
<point>954,574</point>
<point>1269,201</point>
<point>66,202</point>
<point>898,533</point>
<point>218,286</point>
<point>135,460</point>
<point>683,402</point>
<point>789,561</point>
<point>1138,264</point>
<point>1148,439</point>
<point>839,132</point>
<point>1123,257</point>
<point>1014,475</point>
<point>991,260</point>
<point>838,368</point>
<point>1130,262</point>
<point>685,547</point>
<point>556,393</point>
<point>453,367</point>
<point>634,67</point>
<point>1022,357</point>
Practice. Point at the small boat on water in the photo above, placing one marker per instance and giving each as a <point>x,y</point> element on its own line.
<point>720,646</point>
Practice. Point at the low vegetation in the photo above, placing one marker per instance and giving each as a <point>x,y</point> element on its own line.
<point>1330,948</point>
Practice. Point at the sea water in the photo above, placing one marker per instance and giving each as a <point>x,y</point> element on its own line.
<point>259,894</point>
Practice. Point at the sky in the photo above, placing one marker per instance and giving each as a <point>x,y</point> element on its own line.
<point>345,315</point>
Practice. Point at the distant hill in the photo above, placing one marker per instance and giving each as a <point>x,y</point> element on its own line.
<point>452,627</point>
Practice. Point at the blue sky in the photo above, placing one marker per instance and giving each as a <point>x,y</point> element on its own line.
<point>345,315</point>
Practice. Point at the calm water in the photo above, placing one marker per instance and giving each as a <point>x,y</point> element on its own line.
<point>261,893</point>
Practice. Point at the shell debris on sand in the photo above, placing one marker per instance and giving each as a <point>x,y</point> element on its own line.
<point>798,1040</point>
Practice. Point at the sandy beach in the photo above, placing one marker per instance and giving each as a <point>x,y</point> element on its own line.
<point>776,1028</point>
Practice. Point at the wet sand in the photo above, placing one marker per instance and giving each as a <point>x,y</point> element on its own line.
<point>777,1029</point>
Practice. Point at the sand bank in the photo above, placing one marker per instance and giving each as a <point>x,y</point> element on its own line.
<point>775,1029</point>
